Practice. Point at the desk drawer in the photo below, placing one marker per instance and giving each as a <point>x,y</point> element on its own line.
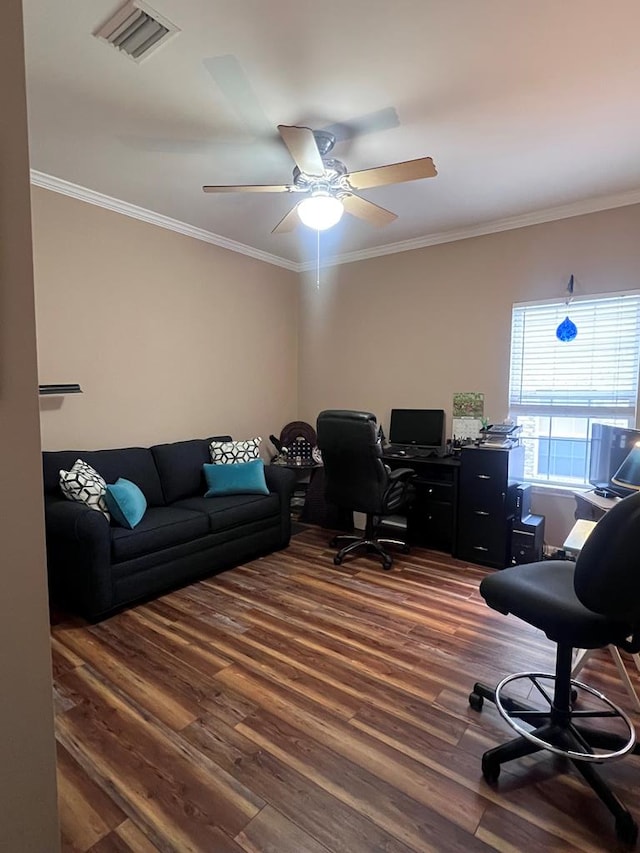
<point>484,497</point>
<point>432,525</point>
<point>484,538</point>
<point>431,491</point>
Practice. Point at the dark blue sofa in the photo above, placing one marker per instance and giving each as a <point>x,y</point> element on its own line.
<point>96,568</point>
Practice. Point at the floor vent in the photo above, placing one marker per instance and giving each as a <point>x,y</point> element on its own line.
<point>136,30</point>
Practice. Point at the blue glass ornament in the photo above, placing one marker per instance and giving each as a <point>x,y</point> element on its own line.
<point>566,331</point>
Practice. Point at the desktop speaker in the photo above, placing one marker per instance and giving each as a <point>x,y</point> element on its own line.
<point>527,539</point>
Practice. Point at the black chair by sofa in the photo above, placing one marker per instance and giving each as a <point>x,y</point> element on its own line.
<point>356,479</point>
<point>589,604</point>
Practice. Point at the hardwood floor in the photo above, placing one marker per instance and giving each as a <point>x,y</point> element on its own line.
<point>289,706</point>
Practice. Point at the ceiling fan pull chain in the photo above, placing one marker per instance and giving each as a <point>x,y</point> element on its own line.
<point>318,261</point>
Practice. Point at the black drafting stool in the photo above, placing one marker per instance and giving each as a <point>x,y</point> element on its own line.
<point>589,604</point>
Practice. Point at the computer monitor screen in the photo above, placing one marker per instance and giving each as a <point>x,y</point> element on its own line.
<point>610,446</point>
<point>628,474</point>
<point>419,427</point>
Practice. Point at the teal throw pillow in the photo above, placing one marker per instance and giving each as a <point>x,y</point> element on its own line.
<point>126,503</point>
<point>237,478</point>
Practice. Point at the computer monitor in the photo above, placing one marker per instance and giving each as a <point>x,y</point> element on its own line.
<point>417,427</point>
<point>627,476</point>
<point>610,446</point>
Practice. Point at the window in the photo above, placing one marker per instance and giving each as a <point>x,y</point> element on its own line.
<point>557,390</point>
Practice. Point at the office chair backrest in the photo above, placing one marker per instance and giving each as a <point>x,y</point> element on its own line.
<point>354,473</point>
<point>607,576</point>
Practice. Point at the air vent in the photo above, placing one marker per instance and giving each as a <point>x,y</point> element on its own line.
<point>136,30</point>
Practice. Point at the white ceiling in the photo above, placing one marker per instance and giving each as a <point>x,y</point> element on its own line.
<point>524,105</point>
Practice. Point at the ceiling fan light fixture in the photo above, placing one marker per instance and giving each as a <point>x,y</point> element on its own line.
<point>320,211</point>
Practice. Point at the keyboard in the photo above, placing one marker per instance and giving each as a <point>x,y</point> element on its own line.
<point>413,452</point>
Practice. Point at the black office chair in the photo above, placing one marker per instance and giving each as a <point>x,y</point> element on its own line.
<point>357,479</point>
<point>587,605</point>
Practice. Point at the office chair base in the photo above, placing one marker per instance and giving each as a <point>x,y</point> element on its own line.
<point>558,730</point>
<point>371,545</point>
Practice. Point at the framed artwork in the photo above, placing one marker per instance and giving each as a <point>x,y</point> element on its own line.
<point>468,404</point>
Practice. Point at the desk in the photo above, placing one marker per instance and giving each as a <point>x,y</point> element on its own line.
<point>432,519</point>
<point>591,506</point>
<point>465,504</point>
<point>573,544</point>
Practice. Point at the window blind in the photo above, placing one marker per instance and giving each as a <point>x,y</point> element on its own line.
<point>595,375</point>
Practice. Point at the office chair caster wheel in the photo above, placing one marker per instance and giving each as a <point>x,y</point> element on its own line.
<point>387,563</point>
<point>490,769</point>
<point>627,830</point>
<point>476,701</point>
<point>337,561</point>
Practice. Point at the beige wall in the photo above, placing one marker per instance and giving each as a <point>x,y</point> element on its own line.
<point>28,818</point>
<point>169,337</point>
<point>172,338</point>
<point>411,329</point>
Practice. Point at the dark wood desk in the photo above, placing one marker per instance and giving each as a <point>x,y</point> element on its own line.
<point>432,520</point>
<point>465,504</point>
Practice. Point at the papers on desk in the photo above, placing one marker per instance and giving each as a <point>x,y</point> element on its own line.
<point>578,535</point>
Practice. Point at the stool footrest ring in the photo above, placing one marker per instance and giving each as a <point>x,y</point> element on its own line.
<point>566,737</point>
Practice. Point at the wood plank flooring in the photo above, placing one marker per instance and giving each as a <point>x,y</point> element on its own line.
<point>290,706</point>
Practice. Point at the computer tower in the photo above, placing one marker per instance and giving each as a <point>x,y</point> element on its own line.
<point>527,539</point>
<point>523,501</point>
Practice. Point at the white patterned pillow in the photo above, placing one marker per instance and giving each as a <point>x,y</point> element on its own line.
<point>225,452</point>
<point>83,483</point>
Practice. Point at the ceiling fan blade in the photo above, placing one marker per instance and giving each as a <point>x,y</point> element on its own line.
<point>232,81</point>
<point>394,173</point>
<point>383,119</point>
<point>302,146</point>
<point>364,209</point>
<point>250,188</point>
<point>288,222</point>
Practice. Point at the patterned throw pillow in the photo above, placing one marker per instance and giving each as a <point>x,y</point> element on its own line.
<point>83,483</point>
<point>225,452</point>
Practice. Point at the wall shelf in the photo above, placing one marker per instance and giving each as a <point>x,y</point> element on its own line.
<point>71,388</point>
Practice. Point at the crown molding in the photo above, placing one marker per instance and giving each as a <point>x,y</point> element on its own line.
<point>538,217</point>
<point>58,185</point>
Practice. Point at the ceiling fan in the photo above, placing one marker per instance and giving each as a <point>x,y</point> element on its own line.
<point>327,185</point>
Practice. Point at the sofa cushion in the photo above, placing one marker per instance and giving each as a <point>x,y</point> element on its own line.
<point>228,452</point>
<point>233,510</point>
<point>132,463</point>
<point>160,528</point>
<point>180,464</point>
<point>241,478</point>
<point>126,503</point>
<point>83,484</point>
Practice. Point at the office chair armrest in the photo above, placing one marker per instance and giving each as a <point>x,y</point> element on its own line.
<point>401,474</point>
<point>399,491</point>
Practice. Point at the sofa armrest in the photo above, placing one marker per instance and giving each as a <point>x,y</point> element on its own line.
<point>78,557</point>
<point>74,520</point>
<point>282,482</point>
